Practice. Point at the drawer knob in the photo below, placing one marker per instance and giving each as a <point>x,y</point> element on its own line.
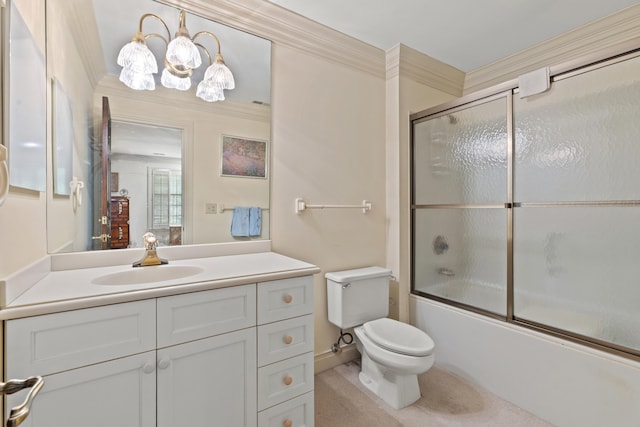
<point>288,339</point>
<point>288,298</point>
<point>287,423</point>
<point>288,380</point>
<point>164,363</point>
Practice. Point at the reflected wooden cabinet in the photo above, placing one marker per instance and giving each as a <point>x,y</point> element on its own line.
<point>119,222</point>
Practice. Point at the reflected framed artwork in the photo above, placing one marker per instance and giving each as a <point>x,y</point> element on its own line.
<point>243,157</point>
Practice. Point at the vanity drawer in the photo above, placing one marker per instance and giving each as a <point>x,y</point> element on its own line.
<point>282,299</point>
<point>50,343</point>
<point>196,315</point>
<point>284,339</point>
<point>297,412</point>
<point>283,380</point>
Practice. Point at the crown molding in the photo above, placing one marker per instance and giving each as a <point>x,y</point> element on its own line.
<point>407,62</point>
<point>265,19</point>
<point>110,85</point>
<point>609,36</point>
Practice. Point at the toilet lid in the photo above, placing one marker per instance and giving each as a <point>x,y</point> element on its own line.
<point>399,337</point>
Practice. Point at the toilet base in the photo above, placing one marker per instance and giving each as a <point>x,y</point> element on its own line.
<point>395,389</point>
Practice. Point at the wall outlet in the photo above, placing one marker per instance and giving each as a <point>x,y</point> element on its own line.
<point>211,208</point>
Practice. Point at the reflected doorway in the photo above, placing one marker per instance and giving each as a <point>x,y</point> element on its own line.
<point>146,184</point>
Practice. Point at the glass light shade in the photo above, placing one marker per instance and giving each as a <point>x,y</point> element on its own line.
<point>210,91</point>
<point>221,74</point>
<point>137,57</point>
<point>136,80</point>
<point>182,52</point>
<point>170,81</point>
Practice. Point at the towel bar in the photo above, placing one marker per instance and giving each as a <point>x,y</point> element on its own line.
<point>301,205</point>
<point>221,208</point>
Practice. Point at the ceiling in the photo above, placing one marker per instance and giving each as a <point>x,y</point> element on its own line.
<point>465,34</point>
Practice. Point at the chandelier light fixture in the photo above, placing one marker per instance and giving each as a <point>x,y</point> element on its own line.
<point>182,57</point>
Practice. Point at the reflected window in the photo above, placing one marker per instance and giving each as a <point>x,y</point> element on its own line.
<point>166,198</point>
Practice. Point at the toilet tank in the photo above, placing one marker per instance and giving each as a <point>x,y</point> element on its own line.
<point>357,296</point>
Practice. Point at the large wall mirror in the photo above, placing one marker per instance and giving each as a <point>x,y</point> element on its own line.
<point>177,165</point>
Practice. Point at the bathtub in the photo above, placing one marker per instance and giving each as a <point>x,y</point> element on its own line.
<point>560,381</point>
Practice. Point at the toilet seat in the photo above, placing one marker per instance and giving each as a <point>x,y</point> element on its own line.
<point>399,337</point>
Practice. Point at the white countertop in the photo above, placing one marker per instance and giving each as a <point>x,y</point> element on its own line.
<point>73,289</point>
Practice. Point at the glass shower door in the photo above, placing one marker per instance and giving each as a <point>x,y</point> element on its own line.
<point>577,218</point>
<point>459,196</point>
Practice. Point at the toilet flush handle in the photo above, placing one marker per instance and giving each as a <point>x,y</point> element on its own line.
<point>346,285</point>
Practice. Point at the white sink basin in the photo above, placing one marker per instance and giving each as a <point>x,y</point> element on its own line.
<point>140,275</point>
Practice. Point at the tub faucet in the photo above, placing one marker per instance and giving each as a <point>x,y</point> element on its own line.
<point>150,255</point>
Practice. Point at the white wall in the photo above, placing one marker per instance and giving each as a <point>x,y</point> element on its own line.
<point>328,133</point>
<point>561,382</point>
<point>23,234</point>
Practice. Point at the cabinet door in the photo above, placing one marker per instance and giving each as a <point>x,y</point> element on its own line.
<point>209,382</point>
<point>119,393</point>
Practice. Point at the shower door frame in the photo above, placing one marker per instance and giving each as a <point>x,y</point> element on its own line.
<point>509,89</point>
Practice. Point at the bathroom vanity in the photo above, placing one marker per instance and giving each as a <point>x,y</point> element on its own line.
<point>222,340</point>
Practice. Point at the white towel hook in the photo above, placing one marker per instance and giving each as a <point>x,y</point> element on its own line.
<point>76,187</point>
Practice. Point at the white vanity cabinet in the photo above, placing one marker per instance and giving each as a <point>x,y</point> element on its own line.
<point>234,356</point>
<point>178,360</point>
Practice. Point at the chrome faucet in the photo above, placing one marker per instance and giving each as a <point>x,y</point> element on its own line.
<point>150,255</point>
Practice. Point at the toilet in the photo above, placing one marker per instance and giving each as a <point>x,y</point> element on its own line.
<point>393,353</point>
